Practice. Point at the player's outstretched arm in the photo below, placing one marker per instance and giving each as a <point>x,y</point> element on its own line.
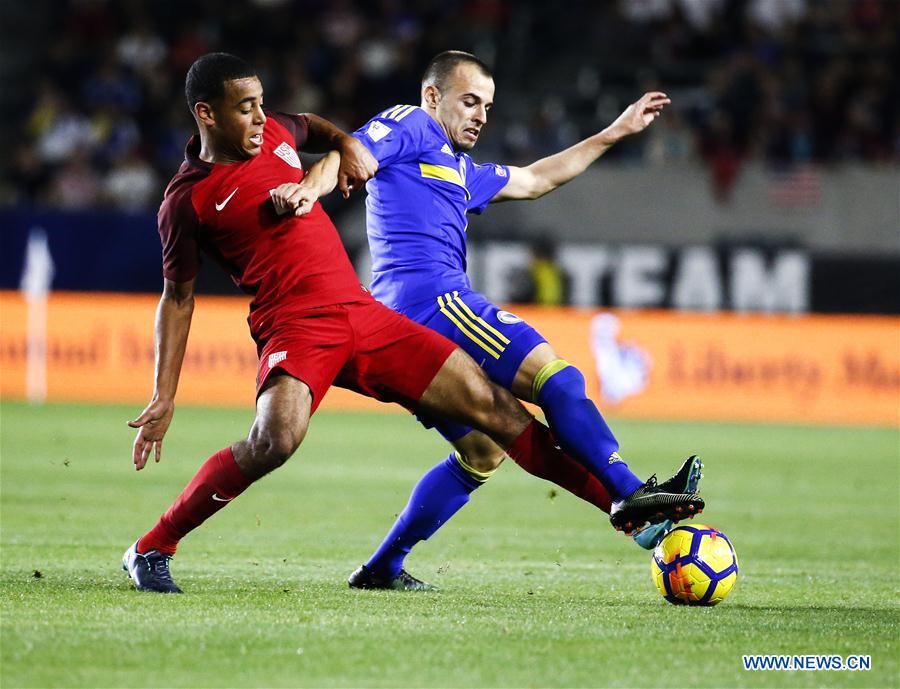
<point>357,164</point>
<point>546,174</point>
<point>173,323</point>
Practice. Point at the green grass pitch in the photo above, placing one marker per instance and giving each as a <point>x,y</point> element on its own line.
<point>537,590</point>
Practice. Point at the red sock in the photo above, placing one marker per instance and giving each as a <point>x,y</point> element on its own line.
<point>218,481</point>
<point>536,452</point>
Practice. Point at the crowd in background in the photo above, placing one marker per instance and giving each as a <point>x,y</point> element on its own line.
<point>783,81</point>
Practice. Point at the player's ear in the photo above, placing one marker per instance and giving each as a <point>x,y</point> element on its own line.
<point>431,95</point>
<point>204,113</point>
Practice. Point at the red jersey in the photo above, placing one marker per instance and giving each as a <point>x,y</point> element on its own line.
<point>284,262</point>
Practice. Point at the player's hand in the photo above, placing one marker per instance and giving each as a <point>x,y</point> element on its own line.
<point>357,166</point>
<point>293,198</point>
<point>640,114</point>
<point>152,425</point>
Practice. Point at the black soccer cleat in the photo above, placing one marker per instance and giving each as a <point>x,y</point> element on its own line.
<point>365,578</point>
<point>149,571</point>
<point>651,504</point>
<point>686,478</point>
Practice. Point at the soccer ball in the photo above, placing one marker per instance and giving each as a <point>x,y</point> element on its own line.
<point>694,565</point>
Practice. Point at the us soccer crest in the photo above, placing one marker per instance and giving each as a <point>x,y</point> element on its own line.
<point>287,153</point>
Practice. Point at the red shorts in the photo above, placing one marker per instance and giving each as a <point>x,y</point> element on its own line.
<point>363,346</point>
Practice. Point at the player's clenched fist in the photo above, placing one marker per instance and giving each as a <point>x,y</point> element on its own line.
<point>358,166</point>
<point>294,199</point>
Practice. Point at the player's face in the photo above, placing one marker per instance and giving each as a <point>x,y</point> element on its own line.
<point>239,119</point>
<point>464,105</point>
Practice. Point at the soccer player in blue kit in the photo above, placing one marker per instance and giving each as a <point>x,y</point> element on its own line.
<point>416,221</point>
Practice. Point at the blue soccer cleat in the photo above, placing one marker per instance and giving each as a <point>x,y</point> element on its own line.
<point>149,571</point>
<point>686,480</point>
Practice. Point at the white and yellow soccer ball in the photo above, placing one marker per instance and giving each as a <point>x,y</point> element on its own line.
<point>694,565</point>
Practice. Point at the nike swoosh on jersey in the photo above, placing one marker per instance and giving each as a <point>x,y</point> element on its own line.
<point>216,497</point>
<point>220,206</point>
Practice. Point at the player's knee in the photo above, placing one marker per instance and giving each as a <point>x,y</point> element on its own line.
<point>270,448</point>
<point>280,446</point>
<point>477,451</point>
<point>485,459</point>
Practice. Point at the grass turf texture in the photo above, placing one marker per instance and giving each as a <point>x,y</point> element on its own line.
<point>537,590</point>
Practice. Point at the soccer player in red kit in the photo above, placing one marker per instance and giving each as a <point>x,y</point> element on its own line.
<point>312,322</point>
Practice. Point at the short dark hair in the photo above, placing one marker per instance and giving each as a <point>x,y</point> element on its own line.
<point>442,65</point>
<point>206,78</point>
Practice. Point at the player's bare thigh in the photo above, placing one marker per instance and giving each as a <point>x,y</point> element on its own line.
<point>536,359</point>
<point>480,451</point>
<point>462,392</point>
<point>282,417</point>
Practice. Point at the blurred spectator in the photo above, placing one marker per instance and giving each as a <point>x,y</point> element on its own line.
<point>131,184</point>
<point>140,49</point>
<point>342,24</point>
<point>721,155</point>
<point>62,132</point>
<point>47,106</point>
<point>775,15</point>
<point>111,85</point>
<point>668,141</point>
<point>28,175</point>
<point>114,134</point>
<point>543,282</point>
<point>75,186</point>
<point>170,135</point>
<point>190,42</point>
<point>547,277</point>
<point>301,94</point>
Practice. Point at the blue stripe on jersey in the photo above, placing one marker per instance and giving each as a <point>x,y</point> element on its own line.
<point>417,204</point>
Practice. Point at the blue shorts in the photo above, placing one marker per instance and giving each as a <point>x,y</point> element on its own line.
<point>498,340</point>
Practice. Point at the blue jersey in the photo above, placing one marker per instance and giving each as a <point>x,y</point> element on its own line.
<point>417,204</point>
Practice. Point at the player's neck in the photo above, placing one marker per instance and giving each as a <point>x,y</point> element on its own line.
<point>211,153</point>
<point>433,115</point>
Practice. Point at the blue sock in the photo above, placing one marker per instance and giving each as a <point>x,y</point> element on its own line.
<point>580,429</point>
<point>438,495</point>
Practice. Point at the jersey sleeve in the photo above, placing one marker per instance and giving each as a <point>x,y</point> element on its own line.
<point>178,227</point>
<point>394,136</point>
<point>297,125</point>
<point>483,183</point>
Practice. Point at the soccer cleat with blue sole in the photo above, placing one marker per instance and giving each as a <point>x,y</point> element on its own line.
<point>365,578</point>
<point>687,480</point>
<point>654,504</point>
<point>149,571</point>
